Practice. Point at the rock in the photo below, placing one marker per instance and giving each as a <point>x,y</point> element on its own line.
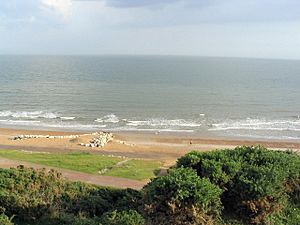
<point>101,139</point>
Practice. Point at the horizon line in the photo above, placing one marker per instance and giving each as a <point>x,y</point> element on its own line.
<point>147,55</point>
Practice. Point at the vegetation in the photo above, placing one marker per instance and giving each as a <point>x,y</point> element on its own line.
<point>41,197</point>
<point>89,163</point>
<point>5,220</point>
<point>135,169</point>
<point>130,217</point>
<point>182,196</point>
<point>258,184</point>
<point>247,185</point>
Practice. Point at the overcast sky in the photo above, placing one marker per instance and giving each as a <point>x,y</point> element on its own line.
<point>238,28</point>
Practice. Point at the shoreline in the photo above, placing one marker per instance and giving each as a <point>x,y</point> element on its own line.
<point>134,145</point>
<point>140,144</point>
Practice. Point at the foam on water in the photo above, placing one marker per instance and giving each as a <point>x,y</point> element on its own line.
<point>20,122</point>
<point>27,114</point>
<point>152,130</point>
<point>257,124</point>
<point>67,117</point>
<point>61,125</point>
<point>163,123</point>
<point>110,118</point>
<point>75,126</point>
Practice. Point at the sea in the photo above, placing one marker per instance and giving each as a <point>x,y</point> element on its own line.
<point>204,96</point>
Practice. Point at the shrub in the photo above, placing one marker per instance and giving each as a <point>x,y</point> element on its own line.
<point>289,215</point>
<point>219,166</point>
<point>256,182</point>
<point>181,197</point>
<point>130,217</point>
<point>96,201</point>
<point>5,220</point>
<point>29,193</point>
<point>42,197</point>
<point>68,219</point>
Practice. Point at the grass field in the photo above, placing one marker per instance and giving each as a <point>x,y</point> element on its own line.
<point>89,163</point>
<point>136,169</point>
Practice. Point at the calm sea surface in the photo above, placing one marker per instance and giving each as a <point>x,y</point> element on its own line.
<point>209,96</point>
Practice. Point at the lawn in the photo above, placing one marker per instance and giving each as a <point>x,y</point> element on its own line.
<point>88,163</point>
<point>136,169</point>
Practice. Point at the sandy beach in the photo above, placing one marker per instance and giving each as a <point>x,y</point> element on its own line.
<point>163,147</point>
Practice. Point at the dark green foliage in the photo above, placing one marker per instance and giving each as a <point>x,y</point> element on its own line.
<point>219,166</point>
<point>68,219</point>
<point>130,217</point>
<point>28,193</point>
<point>253,185</point>
<point>94,201</point>
<point>257,183</point>
<point>181,197</point>
<point>44,197</point>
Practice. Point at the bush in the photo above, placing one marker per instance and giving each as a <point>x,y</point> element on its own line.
<point>42,197</point>
<point>181,197</point>
<point>29,194</point>
<point>68,219</point>
<point>5,220</point>
<point>290,216</point>
<point>257,183</point>
<point>96,201</point>
<point>115,217</point>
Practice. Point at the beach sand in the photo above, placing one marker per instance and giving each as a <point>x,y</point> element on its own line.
<point>164,147</point>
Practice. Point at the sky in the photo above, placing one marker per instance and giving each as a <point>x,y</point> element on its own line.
<point>229,28</point>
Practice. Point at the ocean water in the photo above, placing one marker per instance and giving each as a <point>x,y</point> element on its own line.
<point>233,97</point>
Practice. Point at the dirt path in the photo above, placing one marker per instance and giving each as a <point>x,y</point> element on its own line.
<point>109,181</point>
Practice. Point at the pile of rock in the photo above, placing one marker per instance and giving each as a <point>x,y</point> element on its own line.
<point>31,136</point>
<point>100,141</point>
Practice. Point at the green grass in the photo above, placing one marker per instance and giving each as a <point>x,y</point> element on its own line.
<point>136,169</point>
<point>88,163</point>
<point>83,162</point>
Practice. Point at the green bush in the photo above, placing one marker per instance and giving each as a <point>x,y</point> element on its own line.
<point>257,183</point>
<point>219,166</point>
<point>289,215</point>
<point>115,217</point>
<point>68,219</point>
<point>94,201</point>
<point>41,197</point>
<point>181,197</point>
<point>253,184</point>
<point>5,220</point>
<point>29,194</point>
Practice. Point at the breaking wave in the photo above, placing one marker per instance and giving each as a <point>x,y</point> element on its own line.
<point>257,124</point>
<point>111,118</point>
<point>163,123</point>
<point>27,114</point>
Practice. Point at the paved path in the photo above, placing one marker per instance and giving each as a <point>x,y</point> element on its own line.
<point>108,181</point>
